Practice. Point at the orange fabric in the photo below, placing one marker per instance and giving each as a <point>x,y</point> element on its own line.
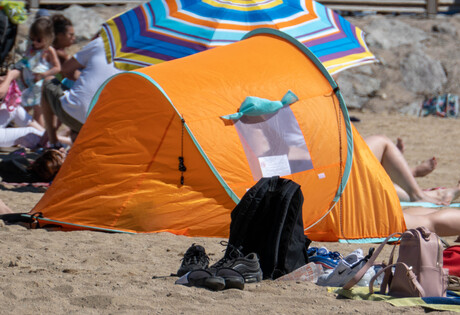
<point>123,170</point>
<point>122,173</point>
<point>369,207</point>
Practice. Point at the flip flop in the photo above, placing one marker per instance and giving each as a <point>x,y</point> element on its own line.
<point>203,279</point>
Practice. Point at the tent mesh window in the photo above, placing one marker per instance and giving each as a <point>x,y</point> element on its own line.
<point>273,144</point>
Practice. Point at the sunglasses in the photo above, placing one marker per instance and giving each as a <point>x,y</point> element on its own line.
<point>36,40</point>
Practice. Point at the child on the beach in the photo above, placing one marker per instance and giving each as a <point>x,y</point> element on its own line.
<point>39,62</point>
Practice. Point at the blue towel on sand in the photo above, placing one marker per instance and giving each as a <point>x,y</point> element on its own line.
<point>427,204</point>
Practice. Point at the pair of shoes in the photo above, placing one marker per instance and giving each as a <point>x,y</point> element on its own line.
<point>225,278</point>
<point>195,258</point>
<point>230,272</point>
<point>248,266</point>
<point>323,257</point>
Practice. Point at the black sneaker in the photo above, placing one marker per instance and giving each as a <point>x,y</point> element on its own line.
<point>248,266</point>
<point>195,258</point>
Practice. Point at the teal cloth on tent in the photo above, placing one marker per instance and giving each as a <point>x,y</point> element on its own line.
<point>427,204</point>
<point>449,303</point>
<point>256,106</point>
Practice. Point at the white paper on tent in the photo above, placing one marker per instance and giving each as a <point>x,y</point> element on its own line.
<point>274,165</point>
<point>274,144</point>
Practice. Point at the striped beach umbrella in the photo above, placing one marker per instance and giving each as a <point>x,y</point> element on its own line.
<point>162,30</point>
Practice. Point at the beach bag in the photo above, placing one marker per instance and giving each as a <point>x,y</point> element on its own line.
<point>268,221</point>
<point>418,272</point>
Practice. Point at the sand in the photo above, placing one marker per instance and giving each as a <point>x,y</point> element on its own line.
<point>88,272</point>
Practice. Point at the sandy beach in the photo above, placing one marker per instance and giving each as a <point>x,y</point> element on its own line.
<point>87,272</point>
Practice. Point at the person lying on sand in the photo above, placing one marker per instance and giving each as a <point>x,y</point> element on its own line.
<point>444,222</point>
<point>407,188</point>
<point>17,168</point>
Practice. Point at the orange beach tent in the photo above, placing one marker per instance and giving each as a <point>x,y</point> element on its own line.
<point>162,150</point>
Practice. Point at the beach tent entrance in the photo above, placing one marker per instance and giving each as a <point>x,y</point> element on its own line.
<point>173,147</point>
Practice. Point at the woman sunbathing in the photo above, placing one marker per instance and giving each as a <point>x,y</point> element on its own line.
<point>442,221</point>
<point>403,177</point>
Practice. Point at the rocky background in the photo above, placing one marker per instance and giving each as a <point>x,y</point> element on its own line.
<point>419,57</point>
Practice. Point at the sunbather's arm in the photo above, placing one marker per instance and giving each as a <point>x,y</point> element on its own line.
<point>71,69</point>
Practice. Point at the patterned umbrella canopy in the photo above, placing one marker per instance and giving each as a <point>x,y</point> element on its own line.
<point>162,30</point>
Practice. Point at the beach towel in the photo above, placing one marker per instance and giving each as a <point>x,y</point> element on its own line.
<point>446,105</point>
<point>449,303</point>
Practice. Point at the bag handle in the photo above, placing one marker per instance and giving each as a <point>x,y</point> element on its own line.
<point>424,232</point>
<point>369,263</point>
<point>411,277</point>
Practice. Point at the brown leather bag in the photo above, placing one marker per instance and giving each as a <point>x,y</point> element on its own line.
<point>418,271</point>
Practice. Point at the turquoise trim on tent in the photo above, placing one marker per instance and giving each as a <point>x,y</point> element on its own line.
<point>200,149</point>
<point>368,240</point>
<point>98,92</point>
<point>335,88</point>
<point>75,225</point>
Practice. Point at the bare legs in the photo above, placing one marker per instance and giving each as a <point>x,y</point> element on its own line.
<point>397,168</point>
<point>38,115</point>
<point>444,222</point>
<point>446,195</point>
<point>48,116</point>
<point>424,168</point>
